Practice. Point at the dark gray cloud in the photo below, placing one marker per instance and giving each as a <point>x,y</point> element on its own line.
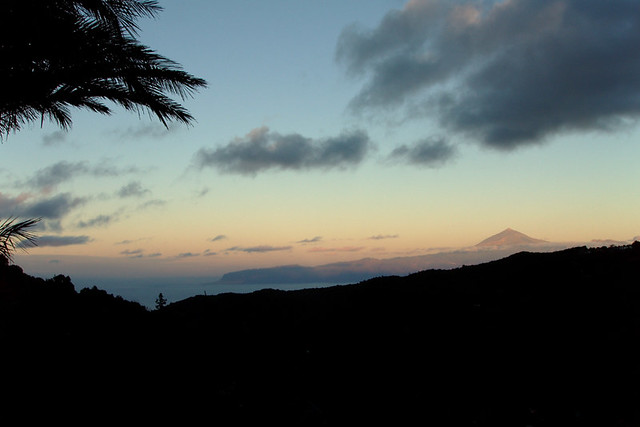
<point>139,253</point>
<point>505,73</point>
<point>258,249</point>
<point>430,152</point>
<point>51,176</point>
<point>48,178</point>
<point>10,206</point>
<point>133,189</point>
<point>49,240</point>
<point>126,242</point>
<point>261,150</point>
<point>313,240</point>
<point>135,253</point>
<point>54,138</point>
<point>98,221</point>
<point>218,237</point>
<point>188,255</point>
<point>53,208</point>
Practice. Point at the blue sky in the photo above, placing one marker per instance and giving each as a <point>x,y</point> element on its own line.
<point>325,124</point>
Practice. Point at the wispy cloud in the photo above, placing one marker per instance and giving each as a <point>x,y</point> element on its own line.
<point>56,241</point>
<point>133,189</point>
<point>187,255</point>
<point>258,249</point>
<point>54,207</point>
<point>49,178</point>
<point>152,130</point>
<point>98,221</point>
<point>506,74</point>
<point>341,249</point>
<point>383,236</point>
<point>154,203</point>
<point>429,152</point>
<point>10,206</point>
<point>132,252</point>
<point>261,150</point>
<point>312,240</point>
<point>127,242</point>
<point>54,138</point>
<point>218,238</point>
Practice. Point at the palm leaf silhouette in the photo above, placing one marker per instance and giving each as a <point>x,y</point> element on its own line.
<point>61,54</point>
<point>16,235</point>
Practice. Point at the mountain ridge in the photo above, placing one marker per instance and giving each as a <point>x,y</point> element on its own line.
<point>494,247</point>
<point>542,339</point>
<point>509,237</point>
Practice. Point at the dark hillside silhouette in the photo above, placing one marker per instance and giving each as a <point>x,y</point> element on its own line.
<point>540,339</point>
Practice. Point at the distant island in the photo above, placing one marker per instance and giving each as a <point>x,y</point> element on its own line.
<point>497,246</point>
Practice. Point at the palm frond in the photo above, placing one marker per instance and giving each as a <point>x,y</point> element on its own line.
<point>58,54</point>
<point>15,235</point>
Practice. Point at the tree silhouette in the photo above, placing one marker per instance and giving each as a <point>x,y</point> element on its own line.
<point>57,54</point>
<point>161,301</point>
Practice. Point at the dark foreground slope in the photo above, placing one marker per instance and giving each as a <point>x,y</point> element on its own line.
<point>534,339</point>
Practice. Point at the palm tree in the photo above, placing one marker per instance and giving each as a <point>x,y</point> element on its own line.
<point>57,54</point>
<point>15,235</point>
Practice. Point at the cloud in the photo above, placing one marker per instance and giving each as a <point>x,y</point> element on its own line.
<point>313,240</point>
<point>51,176</point>
<point>10,205</point>
<point>54,207</point>
<point>259,249</point>
<point>203,192</point>
<point>187,255</point>
<point>154,131</point>
<point>430,152</point>
<point>54,138</point>
<point>138,253</point>
<point>155,203</point>
<point>342,249</point>
<point>56,241</point>
<point>51,209</point>
<point>261,150</point>
<point>506,74</point>
<point>133,189</point>
<point>134,253</point>
<point>126,242</point>
<point>99,221</point>
<point>218,237</point>
<point>382,237</point>
<point>48,178</point>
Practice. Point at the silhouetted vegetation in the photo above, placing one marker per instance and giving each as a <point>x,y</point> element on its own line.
<point>539,339</point>
<point>58,54</point>
<point>161,301</point>
<point>15,234</point>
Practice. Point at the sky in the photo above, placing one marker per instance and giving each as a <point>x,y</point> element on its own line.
<point>342,129</point>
